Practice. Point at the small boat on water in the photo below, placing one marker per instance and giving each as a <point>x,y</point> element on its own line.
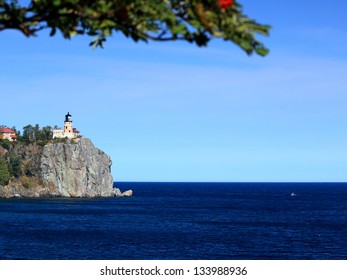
<point>293,194</point>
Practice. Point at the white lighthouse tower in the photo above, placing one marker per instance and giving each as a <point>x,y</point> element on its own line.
<point>68,124</point>
<point>68,131</point>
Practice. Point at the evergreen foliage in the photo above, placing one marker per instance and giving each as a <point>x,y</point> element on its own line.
<point>4,173</point>
<point>15,166</point>
<point>35,134</point>
<point>5,144</point>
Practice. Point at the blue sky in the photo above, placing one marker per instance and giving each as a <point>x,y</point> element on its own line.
<point>174,112</point>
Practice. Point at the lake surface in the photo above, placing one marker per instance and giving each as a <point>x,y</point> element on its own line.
<point>182,221</point>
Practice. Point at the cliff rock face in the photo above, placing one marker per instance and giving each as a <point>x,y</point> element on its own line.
<point>76,170</point>
<point>58,169</point>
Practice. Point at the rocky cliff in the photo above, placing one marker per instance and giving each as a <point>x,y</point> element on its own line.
<point>77,170</point>
<point>64,169</point>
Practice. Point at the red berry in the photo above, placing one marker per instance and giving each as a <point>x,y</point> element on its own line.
<point>225,3</point>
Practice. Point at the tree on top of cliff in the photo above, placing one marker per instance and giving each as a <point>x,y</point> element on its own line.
<point>195,21</point>
<point>35,134</point>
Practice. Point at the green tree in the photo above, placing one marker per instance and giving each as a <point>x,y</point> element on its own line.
<point>28,133</point>
<point>1,127</point>
<point>4,173</point>
<point>195,21</point>
<point>47,133</point>
<point>43,135</point>
<point>5,144</point>
<point>15,166</point>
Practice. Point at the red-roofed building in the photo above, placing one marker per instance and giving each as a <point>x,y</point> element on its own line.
<point>75,131</point>
<point>8,134</point>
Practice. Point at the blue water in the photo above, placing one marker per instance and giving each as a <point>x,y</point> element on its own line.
<point>182,221</point>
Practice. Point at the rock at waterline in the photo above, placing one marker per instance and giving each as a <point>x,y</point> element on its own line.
<point>127,193</point>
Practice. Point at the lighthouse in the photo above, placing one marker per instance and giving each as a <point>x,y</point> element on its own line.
<point>68,124</point>
<point>68,131</point>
